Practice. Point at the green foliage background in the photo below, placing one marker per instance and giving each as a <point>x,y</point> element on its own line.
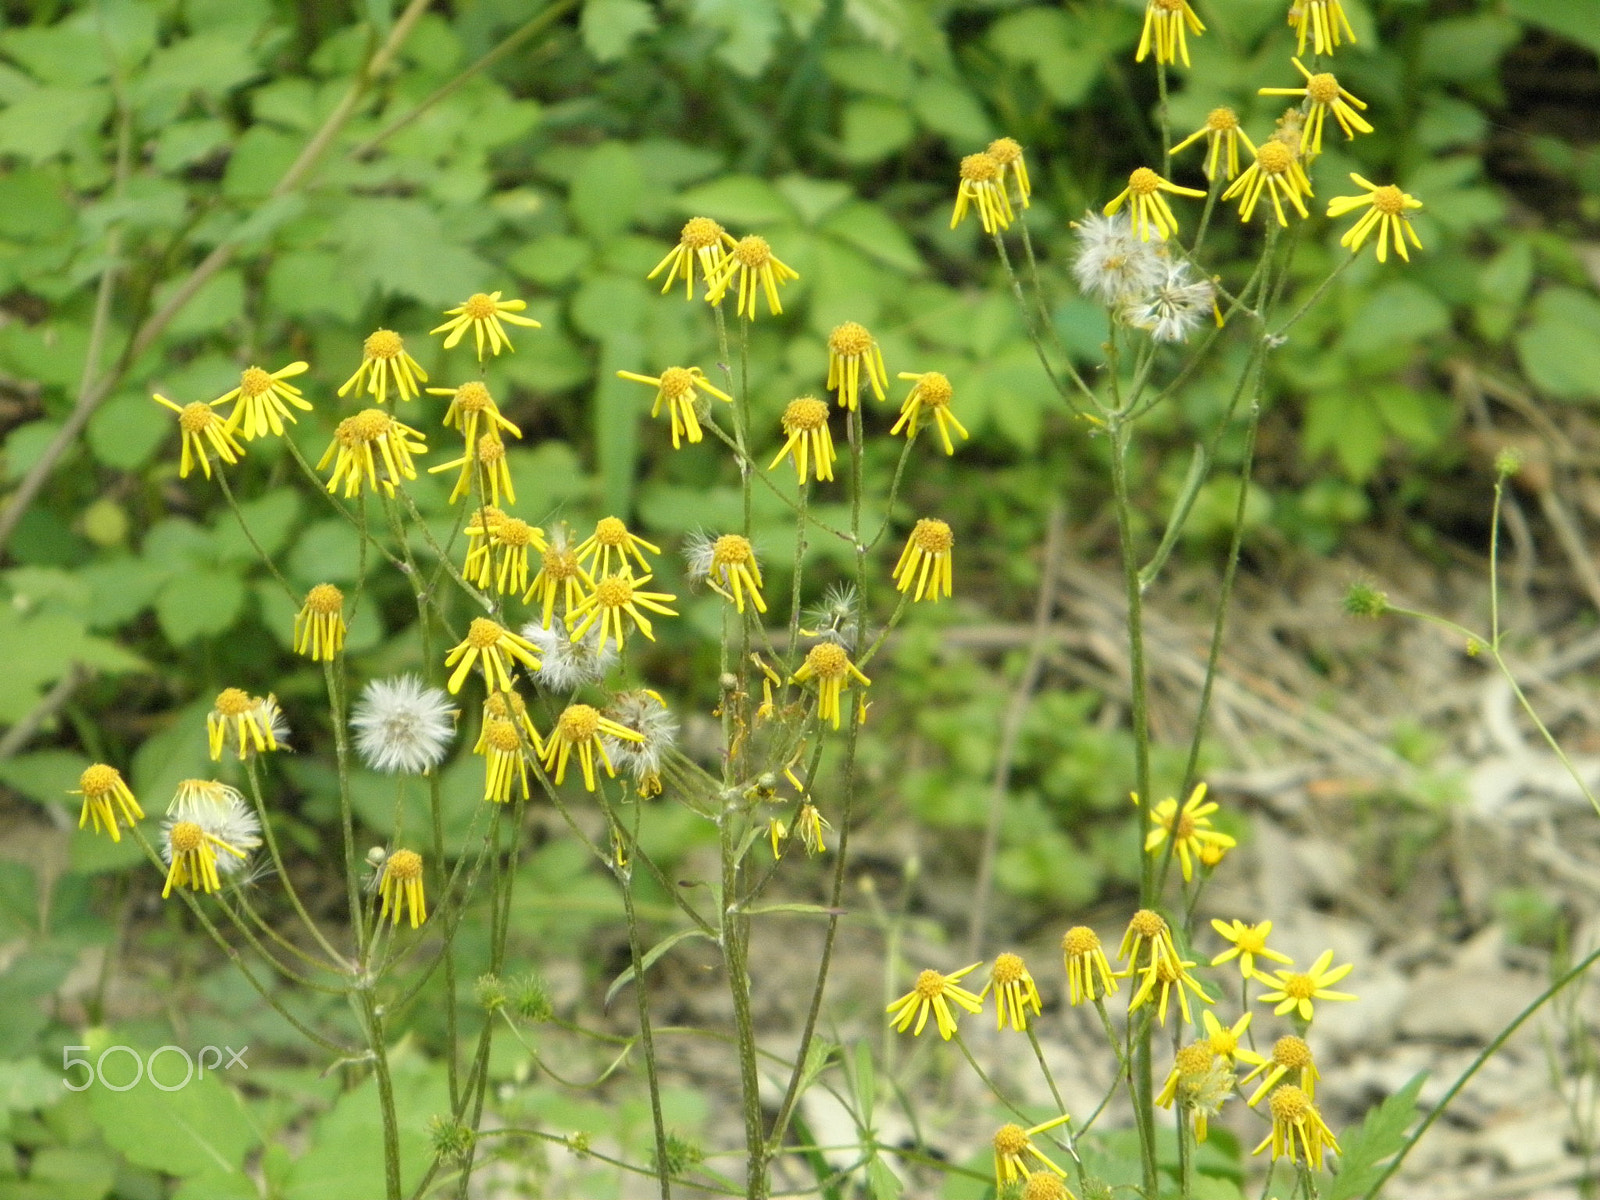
<point>561,173</point>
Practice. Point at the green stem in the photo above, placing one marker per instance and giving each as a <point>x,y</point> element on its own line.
<point>646,1038</point>
<point>380,1062</point>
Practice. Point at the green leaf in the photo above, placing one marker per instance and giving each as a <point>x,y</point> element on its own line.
<point>402,247</point>
<point>1560,347</point>
<point>45,122</point>
<point>1398,313</point>
<point>883,1183</point>
<point>813,199</point>
<point>218,303</point>
<point>742,200</point>
<point>201,1128</point>
<point>1502,288</point>
<point>310,283</point>
<point>27,1084</point>
<point>69,52</point>
<point>258,161</point>
<point>327,552</point>
<point>606,190</point>
<point>1462,49</point>
<point>1382,1134</point>
<point>44,776</point>
<point>202,602</point>
<point>876,234</point>
<point>33,205</point>
<point>1578,22</point>
<point>125,432</point>
<point>39,648</point>
<point>819,910</point>
<point>946,107</point>
<point>649,958</point>
<point>214,62</point>
<point>869,71</point>
<point>271,518</point>
<point>749,29</point>
<point>609,26</point>
<point>70,1173</point>
<point>551,260</point>
<point>872,129</point>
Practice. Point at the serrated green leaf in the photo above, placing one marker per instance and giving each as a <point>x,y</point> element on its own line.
<point>1382,1134</point>
<point>882,1181</point>
<point>649,958</point>
<point>403,247</point>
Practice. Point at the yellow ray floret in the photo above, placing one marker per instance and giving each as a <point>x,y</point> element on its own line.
<point>237,718</point>
<point>1276,171</point>
<point>1008,153</point>
<point>1298,1130</point>
<point>1325,21</point>
<point>194,858</point>
<point>702,240</point>
<point>615,596</point>
<point>612,539</point>
<point>578,729</point>
<point>1188,827</point>
<point>483,313</point>
<point>384,362</point>
<point>202,427</point>
<point>1089,975</point>
<point>982,187</point>
<point>931,393</point>
<point>1016,1158</point>
<point>1386,212</point>
<point>493,470</point>
<point>1326,95</point>
<point>1014,992</point>
<point>852,352</point>
<point>400,887</point>
<point>1150,211</point>
<point>561,575</point>
<point>472,405</point>
<point>1223,135</point>
<point>319,626</point>
<point>505,756</point>
<point>494,644</point>
<point>678,388</point>
<point>1293,991</point>
<point>263,400</point>
<point>805,424</point>
<point>758,269</point>
<point>1166,26</point>
<point>106,800</point>
<point>934,993</point>
<point>830,666</point>
<point>733,572</point>
<point>351,452</point>
<point>926,560</point>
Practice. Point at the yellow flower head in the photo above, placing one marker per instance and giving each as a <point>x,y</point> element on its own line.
<point>1008,153</point>
<point>505,754</point>
<point>472,405</point>
<point>1089,975</point>
<point>1042,1185</point>
<point>931,391</point>
<point>493,644</point>
<point>778,834</point>
<point>810,824</point>
<point>933,992</point>
<point>1294,992</point>
<point>1225,1041</point>
<point>1016,1157</point>
<point>757,267</point>
<point>507,706</point>
<point>1192,1060</point>
<point>982,186</point>
<point>731,570</point>
<point>926,560</point>
<point>1249,942</point>
<point>500,556</point>
<point>612,539</point>
<point>617,595</point>
<point>351,452</point>
<point>1014,992</point>
<point>1326,95</point>
<point>805,422</point>
<point>489,457</point>
<point>1169,975</point>
<point>1289,1053</point>
<point>192,857</point>
<point>1324,20</point>
<point>202,427</point>
<point>579,728</point>
<point>483,313</point>
<point>237,718</point>
<point>1166,25</point>
<point>1298,1131</point>
<point>263,400</point>
<point>384,361</point>
<point>1223,135</point>
<point>830,666</point>
<point>702,240</point>
<point>1278,172</point>
<point>1201,1081</point>
<point>561,573</point>
<point>400,887</point>
<point>106,800</point>
<point>1189,828</point>
<point>1147,928</point>
<point>1150,209</point>
<point>319,625</point>
<point>851,349</point>
<point>1386,212</point>
<point>679,388</point>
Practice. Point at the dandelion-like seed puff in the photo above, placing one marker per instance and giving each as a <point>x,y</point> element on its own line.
<point>471,404</point>
<point>934,993</point>
<point>678,388</point>
<point>981,186</point>
<point>351,452</point>
<point>1166,26</point>
<point>702,240</point>
<point>1386,212</point>
<point>1196,1080</point>
<point>107,799</point>
<point>853,351</point>
<point>1276,171</point>
<point>1223,135</point>
<point>263,401</point>
<point>615,597</point>
<point>805,423</point>
<point>1089,975</point>
<point>483,313</point>
<point>1151,212</point>
<point>1326,95</point>
<point>1014,992</point>
<point>1325,21</point>
<point>202,427</point>
<point>611,539</point>
<point>930,392</point>
<point>926,561</point>
<point>319,626</point>
<point>493,644</point>
<point>579,728</point>
<point>830,666</point>
<point>214,820</point>
<point>384,362</point>
<point>400,887</point>
<point>757,268</point>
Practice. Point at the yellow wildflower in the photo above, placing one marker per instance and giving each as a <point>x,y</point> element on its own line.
<point>732,572</point>
<point>1150,210</point>
<point>850,349</point>
<point>1042,1185</point>
<point>1147,928</point>
<point>351,452</point>
<point>1298,1130</point>
<point>384,361</point>
<point>562,574</point>
<point>679,387</point>
<point>810,823</point>
<point>1225,1041</point>
<point>490,458</point>
<point>933,992</point>
<point>1294,991</point>
<point>1276,171</point>
<point>1171,975</point>
<point>614,595</point>
<point>1015,1155</point>
<point>579,728</point>
<point>1189,828</point>
<point>505,759</point>
<point>263,400</point>
<point>237,717</point>
<point>926,560</point>
<point>778,834</point>
<point>1386,213</point>
<point>1089,975</point>
<point>483,314</point>
<point>201,427</point>
<point>106,800</point>
<point>192,858</point>
<point>701,239</point>
<point>805,421</point>
<point>1014,992</point>
<point>982,186</point>
<point>400,886</point>
<point>507,706</point>
<point>611,537</point>
<point>1289,1053</point>
<point>1326,22</point>
<point>753,261</point>
<point>1165,25</point>
<point>480,528</point>
<point>501,555</point>
<point>1223,135</point>
<point>1201,1082</point>
<point>493,644</point>
<point>1326,95</point>
<point>319,626</point>
<point>830,665</point>
<point>470,404</point>
<point>1008,153</point>
<point>1249,941</point>
<point>932,391</point>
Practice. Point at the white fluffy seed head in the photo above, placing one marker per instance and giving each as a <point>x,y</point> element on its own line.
<point>564,664</point>
<point>228,819</point>
<point>644,713</point>
<point>403,726</point>
<point>1177,307</point>
<point>1113,264</point>
<point>698,548</point>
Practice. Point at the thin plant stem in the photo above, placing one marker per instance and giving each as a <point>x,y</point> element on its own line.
<point>647,1040</point>
<point>373,1021</point>
<point>339,960</point>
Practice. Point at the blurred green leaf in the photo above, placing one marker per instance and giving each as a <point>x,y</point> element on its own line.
<point>610,26</point>
<point>1560,346</point>
<point>43,123</point>
<point>201,1128</point>
<point>749,29</point>
<point>201,602</point>
<point>740,200</point>
<point>1578,22</point>
<point>1398,313</point>
<point>606,190</point>
<point>872,129</point>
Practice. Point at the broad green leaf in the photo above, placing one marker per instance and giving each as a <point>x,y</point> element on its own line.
<point>748,27</point>
<point>606,190</point>
<point>218,303</point>
<point>201,602</point>
<point>329,551</point>
<point>551,260</point>
<point>68,52</point>
<point>1560,347</point>
<point>1348,425</point>
<point>813,199</point>
<point>270,518</point>
<point>201,1128</point>
<point>1576,21</point>
<point>40,648</point>
<point>44,776</point>
<point>1382,1134</point>
<point>1053,42</point>
<point>212,62</point>
<point>27,1084</point>
<point>1398,313</point>
<point>45,122</point>
<point>610,26</point>
<point>1466,48</point>
<point>259,160</point>
<point>869,71</point>
<point>25,445</point>
<point>874,233</point>
<point>310,283</point>
<point>740,200</point>
<point>403,247</point>
<point>946,107</point>
<point>873,129</point>
<point>1502,287</point>
<point>33,205</point>
<point>69,1173</point>
<point>649,958</point>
